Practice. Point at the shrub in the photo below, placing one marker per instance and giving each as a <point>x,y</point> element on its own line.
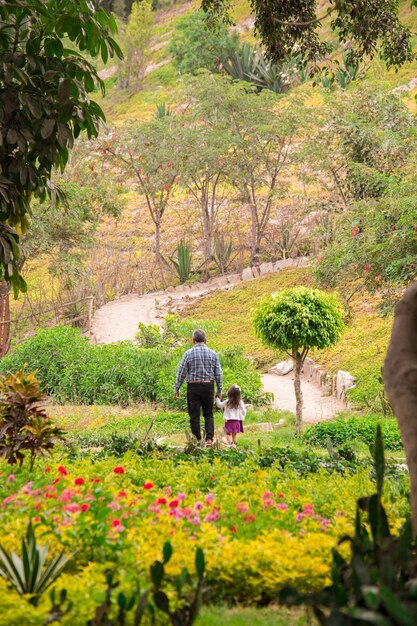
<point>354,429</point>
<point>120,373</point>
<point>195,46</point>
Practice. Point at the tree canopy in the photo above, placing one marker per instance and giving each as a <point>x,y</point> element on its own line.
<point>44,103</point>
<point>293,26</point>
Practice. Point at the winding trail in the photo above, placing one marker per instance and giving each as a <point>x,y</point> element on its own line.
<point>118,321</point>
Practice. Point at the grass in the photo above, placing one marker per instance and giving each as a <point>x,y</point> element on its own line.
<point>273,616</point>
<point>360,351</point>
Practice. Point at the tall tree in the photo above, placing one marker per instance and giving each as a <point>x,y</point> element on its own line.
<point>366,27</point>
<point>261,136</point>
<point>136,44</point>
<point>44,103</point>
<point>203,167</point>
<point>147,153</point>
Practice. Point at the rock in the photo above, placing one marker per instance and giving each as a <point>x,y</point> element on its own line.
<point>255,271</point>
<point>265,427</point>
<point>266,268</point>
<point>247,274</point>
<point>279,424</point>
<point>282,368</point>
<point>344,381</point>
<point>283,264</point>
<point>170,289</point>
<point>234,278</point>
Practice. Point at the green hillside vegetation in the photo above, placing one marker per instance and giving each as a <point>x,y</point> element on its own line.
<point>361,350</point>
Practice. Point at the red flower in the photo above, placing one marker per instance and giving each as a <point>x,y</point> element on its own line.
<point>115,523</point>
<point>233,529</point>
<point>62,470</point>
<point>250,517</point>
<point>94,480</point>
<point>85,507</point>
<point>47,469</point>
<point>161,501</point>
<point>173,504</point>
<point>79,481</point>
<point>122,494</point>
<point>54,482</point>
<point>119,470</point>
<point>36,519</point>
<point>281,495</point>
<point>148,486</point>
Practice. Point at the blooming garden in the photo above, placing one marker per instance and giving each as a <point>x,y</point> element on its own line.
<point>261,528</point>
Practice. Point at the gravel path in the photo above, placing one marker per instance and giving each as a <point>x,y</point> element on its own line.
<point>118,321</point>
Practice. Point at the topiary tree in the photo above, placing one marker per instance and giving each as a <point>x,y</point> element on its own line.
<point>296,320</point>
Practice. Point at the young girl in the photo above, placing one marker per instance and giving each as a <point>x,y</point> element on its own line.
<point>234,413</point>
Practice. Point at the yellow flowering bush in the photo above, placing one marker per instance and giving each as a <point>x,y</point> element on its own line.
<point>260,529</point>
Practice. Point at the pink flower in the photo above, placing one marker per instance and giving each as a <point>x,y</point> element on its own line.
<point>62,470</point>
<point>72,508</point>
<point>10,498</point>
<point>148,485</point>
<point>269,503</point>
<point>300,517</point>
<point>198,506</point>
<point>242,507</point>
<point>85,507</point>
<point>267,495</point>
<point>66,495</point>
<point>181,496</point>
<point>324,524</point>
<point>209,498</point>
<point>212,517</point>
<point>10,478</point>
<point>79,481</point>
<point>282,507</point>
<point>119,470</point>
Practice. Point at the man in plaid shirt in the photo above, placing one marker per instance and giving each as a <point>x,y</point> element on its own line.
<point>201,367</point>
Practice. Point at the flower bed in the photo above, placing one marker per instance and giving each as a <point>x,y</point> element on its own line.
<point>260,529</point>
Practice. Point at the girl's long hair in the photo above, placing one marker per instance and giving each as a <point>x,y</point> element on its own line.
<point>234,397</point>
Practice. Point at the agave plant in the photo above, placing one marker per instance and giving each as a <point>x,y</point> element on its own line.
<point>31,573</point>
<point>241,64</point>
<point>162,110</point>
<point>222,251</point>
<point>182,263</point>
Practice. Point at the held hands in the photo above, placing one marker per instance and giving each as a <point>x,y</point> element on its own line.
<point>176,395</point>
<point>219,396</point>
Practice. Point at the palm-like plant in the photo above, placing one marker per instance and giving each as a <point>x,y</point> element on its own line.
<point>182,263</point>
<point>31,573</point>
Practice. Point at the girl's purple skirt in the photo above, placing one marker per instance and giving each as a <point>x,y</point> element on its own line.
<point>233,426</point>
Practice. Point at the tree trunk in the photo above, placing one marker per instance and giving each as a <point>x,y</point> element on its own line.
<point>254,249</point>
<point>298,363</point>
<point>158,257</point>
<point>400,377</point>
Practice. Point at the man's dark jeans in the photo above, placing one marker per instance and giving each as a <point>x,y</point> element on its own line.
<point>201,396</point>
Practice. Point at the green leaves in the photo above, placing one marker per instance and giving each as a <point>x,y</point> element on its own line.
<point>299,319</point>
<point>31,573</point>
<point>44,101</point>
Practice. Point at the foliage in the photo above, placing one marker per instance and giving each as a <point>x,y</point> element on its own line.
<point>137,38</point>
<point>376,585</point>
<point>369,28</point>
<point>344,73</point>
<point>247,518</point>
<point>249,64</point>
<point>188,601</point>
<point>183,262</point>
<point>162,110</point>
<point>45,103</point>
<point>194,46</point>
<point>24,426</point>
<point>71,369</point>
<point>222,252</point>
<point>31,573</point>
<point>354,429</point>
<point>299,319</point>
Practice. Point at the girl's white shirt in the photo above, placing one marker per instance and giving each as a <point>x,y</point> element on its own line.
<point>232,414</point>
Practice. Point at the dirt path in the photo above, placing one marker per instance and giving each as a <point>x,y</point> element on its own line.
<point>118,321</point>
<point>316,407</point>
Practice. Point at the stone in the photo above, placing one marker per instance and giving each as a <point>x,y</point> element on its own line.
<point>234,278</point>
<point>265,427</point>
<point>247,274</point>
<point>282,368</point>
<point>344,381</point>
<point>266,268</point>
<point>279,424</point>
<point>255,271</point>
<point>170,289</point>
<point>283,264</point>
